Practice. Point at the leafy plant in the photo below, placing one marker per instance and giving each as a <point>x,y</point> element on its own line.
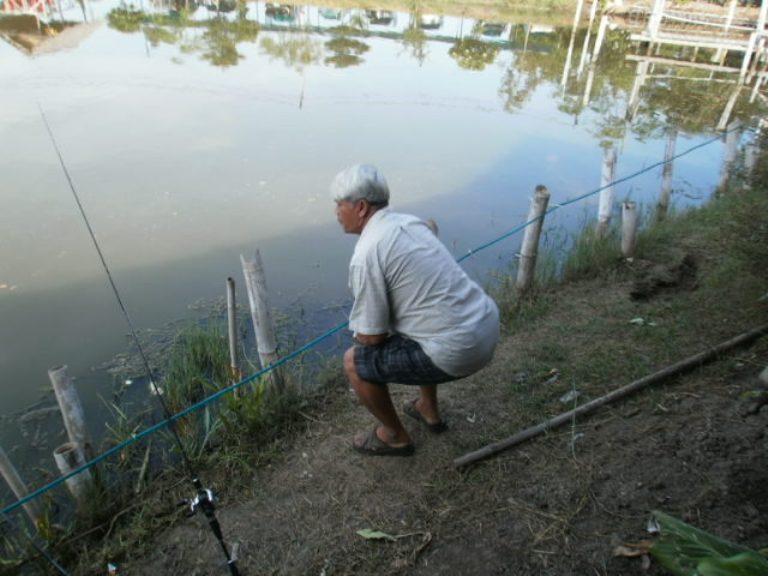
<point>688,551</point>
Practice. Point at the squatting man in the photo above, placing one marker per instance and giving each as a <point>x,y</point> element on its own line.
<point>417,318</point>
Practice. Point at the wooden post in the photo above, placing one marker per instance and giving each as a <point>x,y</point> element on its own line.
<point>69,456</point>
<point>731,142</point>
<point>605,206</point>
<point>71,408</point>
<point>263,326</point>
<point>628,229</point>
<point>529,249</point>
<point>14,481</point>
<point>232,329</point>
<point>662,207</point>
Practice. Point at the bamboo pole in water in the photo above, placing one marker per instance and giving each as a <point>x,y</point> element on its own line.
<point>19,488</point>
<point>530,246</point>
<point>628,229</point>
<point>662,207</point>
<point>605,206</point>
<point>680,367</point>
<point>69,456</point>
<point>731,142</point>
<point>266,342</point>
<point>70,406</point>
<point>232,329</point>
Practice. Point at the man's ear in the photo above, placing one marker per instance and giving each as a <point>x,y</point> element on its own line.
<point>364,209</point>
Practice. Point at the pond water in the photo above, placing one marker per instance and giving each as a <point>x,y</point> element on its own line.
<point>194,133</point>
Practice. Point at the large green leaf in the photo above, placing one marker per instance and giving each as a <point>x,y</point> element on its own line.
<point>744,564</point>
<point>688,551</point>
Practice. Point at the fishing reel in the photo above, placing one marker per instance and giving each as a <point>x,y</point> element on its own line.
<point>204,500</point>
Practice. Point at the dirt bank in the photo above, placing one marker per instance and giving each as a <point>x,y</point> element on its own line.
<point>693,446</point>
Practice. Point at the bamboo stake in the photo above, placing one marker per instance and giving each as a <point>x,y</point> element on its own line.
<point>266,342</point>
<point>19,488</point>
<point>69,456</point>
<point>628,229</point>
<point>605,207</point>
<point>675,369</point>
<point>232,329</point>
<point>70,406</point>
<point>666,175</point>
<point>529,249</point>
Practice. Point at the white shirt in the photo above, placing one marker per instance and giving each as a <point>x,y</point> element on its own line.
<point>405,281</point>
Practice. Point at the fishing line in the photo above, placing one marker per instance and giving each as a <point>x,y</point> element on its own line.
<point>204,498</point>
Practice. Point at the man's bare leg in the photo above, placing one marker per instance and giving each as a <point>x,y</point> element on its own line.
<point>427,403</point>
<point>377,400</point>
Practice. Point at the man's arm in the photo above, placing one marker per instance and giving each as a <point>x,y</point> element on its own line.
<point>370,339</point>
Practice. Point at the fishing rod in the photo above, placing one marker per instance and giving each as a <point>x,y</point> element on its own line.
<point>59,568</point>
<point>204,499</point>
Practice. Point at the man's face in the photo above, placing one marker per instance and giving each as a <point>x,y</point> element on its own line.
<point>351,215</point>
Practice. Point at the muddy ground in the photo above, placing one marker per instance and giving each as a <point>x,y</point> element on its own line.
<point>693,446</point>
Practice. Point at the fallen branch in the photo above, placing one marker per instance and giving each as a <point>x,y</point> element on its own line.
<point>673,370</point>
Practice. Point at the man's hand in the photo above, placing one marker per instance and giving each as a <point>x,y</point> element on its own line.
<point>370,339</point>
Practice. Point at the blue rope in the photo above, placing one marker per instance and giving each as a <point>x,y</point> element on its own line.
<point>285,359</point>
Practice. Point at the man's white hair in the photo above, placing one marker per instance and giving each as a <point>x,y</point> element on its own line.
<point>360,182</point>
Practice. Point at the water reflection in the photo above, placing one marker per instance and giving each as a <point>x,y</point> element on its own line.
<point>197,131</point>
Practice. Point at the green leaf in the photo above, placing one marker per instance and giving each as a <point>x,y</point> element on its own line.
<point>744,564</point>
<point>688,551</point>
<point>369,534</point>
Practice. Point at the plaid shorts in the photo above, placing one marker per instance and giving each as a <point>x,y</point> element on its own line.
<point>397,360</point>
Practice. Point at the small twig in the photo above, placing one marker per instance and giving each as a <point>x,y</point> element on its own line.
<point>427,538</point>
<point>143,471</point>
<point>308,417</point>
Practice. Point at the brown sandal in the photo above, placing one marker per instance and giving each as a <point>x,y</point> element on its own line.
<point>410,409</point>
<point>372,445</point>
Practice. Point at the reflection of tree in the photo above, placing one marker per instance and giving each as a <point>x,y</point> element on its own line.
<point>474,54</point>
<point>127,20</point>
<point>415,39</point>
<point>520,81</point>
<point>221,49</point>
<point>687,104</point>
<point>157,35</point>
<point>295,52</point>
<point>346,52</point>
<point>217,44</point>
